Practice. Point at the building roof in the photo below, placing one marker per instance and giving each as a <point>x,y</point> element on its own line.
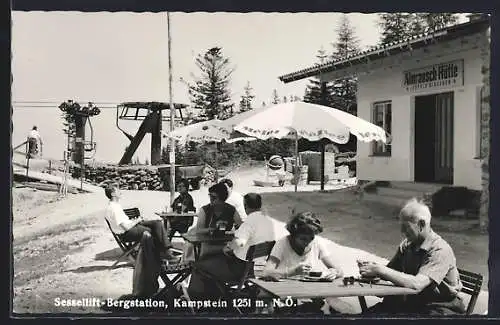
<point>413,42</point>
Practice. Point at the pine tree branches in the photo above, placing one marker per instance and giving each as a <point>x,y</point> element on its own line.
<point>246,98</point>
<point>210,92</point>
<point>399,26</point>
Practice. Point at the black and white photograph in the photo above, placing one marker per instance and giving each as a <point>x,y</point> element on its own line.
<point>277,165</point>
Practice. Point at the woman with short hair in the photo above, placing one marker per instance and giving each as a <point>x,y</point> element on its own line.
<point>183,203</point>
<point>210,215</point>
<point>229,264</point>
<point>301,252</point>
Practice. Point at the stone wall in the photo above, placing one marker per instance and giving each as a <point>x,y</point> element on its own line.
<point>152,178</point>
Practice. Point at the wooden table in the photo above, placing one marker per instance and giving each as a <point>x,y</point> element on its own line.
<point>204,237</point>
<point>298,289</point>
<point>167,215</point>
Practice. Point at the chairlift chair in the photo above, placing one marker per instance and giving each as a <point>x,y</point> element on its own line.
<point>150,113</point>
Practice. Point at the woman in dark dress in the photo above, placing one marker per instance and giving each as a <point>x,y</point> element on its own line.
<point>183,203</point>
<point>208,217</point>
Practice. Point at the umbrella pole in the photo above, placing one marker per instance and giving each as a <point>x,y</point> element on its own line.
<point>322,144</point>
<point>172,114</point>
<point>296,160</point>
<point>216,162</point>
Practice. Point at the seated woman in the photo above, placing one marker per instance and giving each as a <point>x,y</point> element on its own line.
<point>183,203</point>
<point>301,252</point>
<point>209,216</point>
<point>230,263</point>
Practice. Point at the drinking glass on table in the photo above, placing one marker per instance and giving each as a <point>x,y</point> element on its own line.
<point>179,208</point>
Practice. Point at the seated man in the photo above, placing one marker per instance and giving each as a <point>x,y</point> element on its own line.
<point>183,203</point>
<point>235,198</point>
<point>229,264</point>
<point>132,230</point>
<point>424,261</point>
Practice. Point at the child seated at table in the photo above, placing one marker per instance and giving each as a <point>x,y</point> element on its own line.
<point>183,203</point>
<point>301,252</point>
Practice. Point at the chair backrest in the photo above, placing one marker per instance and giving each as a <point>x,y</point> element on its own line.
<point>132,213</point>
<point>115,236</point>
<point>260,250</point>
<point>471,284</point>
<point>255,251</point>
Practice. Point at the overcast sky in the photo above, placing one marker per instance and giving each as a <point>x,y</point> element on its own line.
<point>116,57</point>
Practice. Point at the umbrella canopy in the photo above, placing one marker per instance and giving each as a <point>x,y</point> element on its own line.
<point>309,121</point>
<point>226,126</point>
<point>206,131</point>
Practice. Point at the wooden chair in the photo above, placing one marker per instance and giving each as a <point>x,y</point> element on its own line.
<point>129,249</point>
<point>132,213</point>
<point>181,270</point>
<point>242,288</point>
<point>471,283</point>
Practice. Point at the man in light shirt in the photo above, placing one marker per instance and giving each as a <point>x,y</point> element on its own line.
<point>424,261</point>
<point>34,142</point>
<point>133,230</point>
<point>235,198</point>
<point>229,264</point>
<point>258,228</point>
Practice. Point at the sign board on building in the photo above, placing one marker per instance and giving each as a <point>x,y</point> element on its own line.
<point>441,75</point>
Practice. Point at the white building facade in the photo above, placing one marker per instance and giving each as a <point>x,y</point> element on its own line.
<point>426,93</point>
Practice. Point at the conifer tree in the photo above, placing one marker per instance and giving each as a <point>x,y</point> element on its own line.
<point>313,89</point>
<point>246,98</point>
<point>276,98</point>
<point>347,44</point>
<point>210,93</point>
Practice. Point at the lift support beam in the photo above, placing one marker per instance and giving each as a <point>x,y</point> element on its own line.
<point>152,123</point>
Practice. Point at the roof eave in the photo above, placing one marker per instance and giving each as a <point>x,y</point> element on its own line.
<point>416,42</point>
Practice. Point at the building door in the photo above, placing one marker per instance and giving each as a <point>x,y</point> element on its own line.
<point>444,138</point>
<point>434,138</point>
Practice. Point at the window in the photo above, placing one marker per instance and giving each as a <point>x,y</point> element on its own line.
<point>382,116</point>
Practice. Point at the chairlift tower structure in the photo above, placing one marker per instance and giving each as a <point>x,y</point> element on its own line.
<point>81,116</point>
<point>151,115</point>
<point>78,145</point>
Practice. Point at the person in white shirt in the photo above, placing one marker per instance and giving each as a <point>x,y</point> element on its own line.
<point>235,198</point>
<point>301,252</point>
<point>133,230</point>
<point>229,264</point>
<point>34,142</point>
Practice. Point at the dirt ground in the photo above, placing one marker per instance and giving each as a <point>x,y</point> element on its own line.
<point>63,249</point>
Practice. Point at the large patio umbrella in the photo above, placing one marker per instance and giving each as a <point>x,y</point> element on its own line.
<point>310,121</point>
<point>226,127</point>
<point>206,131</point>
